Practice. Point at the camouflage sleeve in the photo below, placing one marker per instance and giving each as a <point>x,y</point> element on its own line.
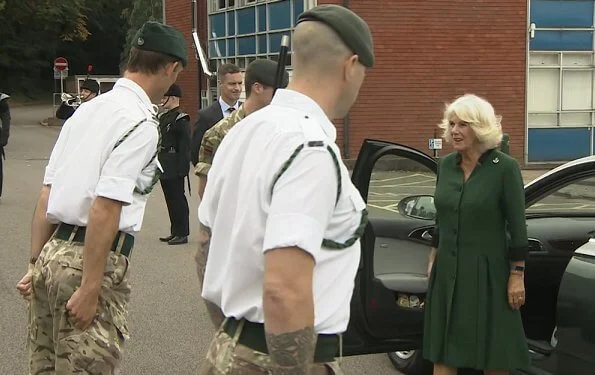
<point>208,147</point>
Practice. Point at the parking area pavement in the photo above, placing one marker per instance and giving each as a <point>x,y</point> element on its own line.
<point>388,188</point>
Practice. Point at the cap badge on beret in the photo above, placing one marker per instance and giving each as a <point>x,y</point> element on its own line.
<point>140,41</point>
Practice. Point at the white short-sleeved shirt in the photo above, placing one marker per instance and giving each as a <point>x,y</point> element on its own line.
<point>84,163</point>
<point>246,220</point>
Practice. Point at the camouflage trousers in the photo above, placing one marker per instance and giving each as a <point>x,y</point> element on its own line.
<point>227,357</point>
<point>55,345</point>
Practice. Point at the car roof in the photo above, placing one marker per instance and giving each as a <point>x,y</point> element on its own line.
<point>584,160</point>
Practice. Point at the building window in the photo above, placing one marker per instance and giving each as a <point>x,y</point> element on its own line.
<point>561,106</point>
<point>561,89</point>
<point>242,30</point>
<point>561,81</point>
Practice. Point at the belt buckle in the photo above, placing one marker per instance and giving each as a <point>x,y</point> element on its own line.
<point>73,233</point>
<point>119,245</point>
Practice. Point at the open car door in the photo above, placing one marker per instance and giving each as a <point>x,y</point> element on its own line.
<point>559,278</point>
<point>387,305</point>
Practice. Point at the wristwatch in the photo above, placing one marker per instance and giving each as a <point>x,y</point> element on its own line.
<point>33,260</point>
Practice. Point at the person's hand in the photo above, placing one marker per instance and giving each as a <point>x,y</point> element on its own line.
<point>82,307</point>
<point>25,286</point>
<point>516,290</point>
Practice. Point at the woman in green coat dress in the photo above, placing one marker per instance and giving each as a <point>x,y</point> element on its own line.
<point>476,265</point>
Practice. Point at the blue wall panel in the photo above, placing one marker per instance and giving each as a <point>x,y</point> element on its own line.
<point>262,18</point>
<point>558,144</point>
<point>247,21</point>
<point>562,41</point>
<point>231,23</point>
<point>231,47</point>
<point>275,41</point>
<point>213,49</point>
<point>247,45</point>
<point>562,13</point>
<point>298,8</point>
<point>218,24</point>
<point>262,43</point>
<point>280,15</point>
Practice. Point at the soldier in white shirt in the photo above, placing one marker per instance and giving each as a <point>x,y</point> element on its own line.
<point>281,216</point>
<point>91,205</point>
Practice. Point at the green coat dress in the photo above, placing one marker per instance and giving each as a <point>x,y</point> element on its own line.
<point>480,228</point>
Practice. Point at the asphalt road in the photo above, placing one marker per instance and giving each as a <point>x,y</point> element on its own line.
<point>169,325</point>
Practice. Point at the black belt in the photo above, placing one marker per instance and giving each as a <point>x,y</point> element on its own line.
<point>120,245</point>
<point>253,337</point>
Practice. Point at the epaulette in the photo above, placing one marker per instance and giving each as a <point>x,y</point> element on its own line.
<point>182,115</point>
<point>316,138</point>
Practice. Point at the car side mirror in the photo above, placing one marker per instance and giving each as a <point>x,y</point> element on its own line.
<point>418,207</point>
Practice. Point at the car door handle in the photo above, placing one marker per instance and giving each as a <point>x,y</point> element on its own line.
<point>426,235</point>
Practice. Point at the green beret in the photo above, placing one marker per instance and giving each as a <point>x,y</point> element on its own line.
<point>157,37</point>
<point>264,71</point>
<point>353,30</point>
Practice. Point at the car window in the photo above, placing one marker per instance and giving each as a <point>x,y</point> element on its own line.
<point>395,180</point>
<point>576,197</point>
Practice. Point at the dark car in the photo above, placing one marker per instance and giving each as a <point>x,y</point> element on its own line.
<point>387,306</point>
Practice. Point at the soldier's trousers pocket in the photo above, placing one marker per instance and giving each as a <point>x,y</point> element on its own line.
<point>31,326</point>
<point>247,361</point>
<point>95,351</point>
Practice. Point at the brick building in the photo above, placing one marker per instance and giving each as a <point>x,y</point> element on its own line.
<point>533,60</point>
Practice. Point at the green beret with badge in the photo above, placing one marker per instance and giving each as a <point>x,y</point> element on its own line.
<point>157,37</point>
<point>350,27</point>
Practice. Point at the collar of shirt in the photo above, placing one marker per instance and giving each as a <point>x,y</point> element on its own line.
<point>225,107</point>
<point>296,100</point>
<point>130,85</point>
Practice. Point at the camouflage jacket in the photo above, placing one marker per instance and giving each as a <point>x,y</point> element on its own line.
<point>212,139</point>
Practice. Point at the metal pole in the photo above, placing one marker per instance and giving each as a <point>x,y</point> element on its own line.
<point>198,73</point>
<point>281,63</point>
<point>200,55</point>
<point>435,149</point>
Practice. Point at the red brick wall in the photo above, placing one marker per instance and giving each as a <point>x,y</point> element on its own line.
<point>178,13</point>
<point>429,52</point>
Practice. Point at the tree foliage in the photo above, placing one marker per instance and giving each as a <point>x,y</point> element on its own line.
<point>87,32</point>
<point>140,12</point>
<point>103,47</point>
<point>30,33</point>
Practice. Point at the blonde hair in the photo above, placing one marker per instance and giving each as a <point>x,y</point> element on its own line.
<point>480,116</point>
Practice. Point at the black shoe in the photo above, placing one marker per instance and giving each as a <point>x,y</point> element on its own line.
<point>178,240</point>
<point>166,239</point>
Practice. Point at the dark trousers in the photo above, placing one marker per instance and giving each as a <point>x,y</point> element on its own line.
<point>177,205</point>
<point>1,170</point>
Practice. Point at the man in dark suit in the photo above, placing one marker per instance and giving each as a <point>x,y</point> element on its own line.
<point>229,77</point>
